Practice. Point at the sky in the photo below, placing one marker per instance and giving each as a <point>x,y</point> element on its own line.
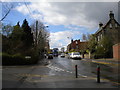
<point>66,20</point>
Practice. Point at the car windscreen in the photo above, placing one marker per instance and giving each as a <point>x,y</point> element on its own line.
<point>76,53</point>
<point>62,54</point>
<point>50,54</point>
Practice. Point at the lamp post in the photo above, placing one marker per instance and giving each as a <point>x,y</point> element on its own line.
<point>70,38</point>
<point>71,47</point>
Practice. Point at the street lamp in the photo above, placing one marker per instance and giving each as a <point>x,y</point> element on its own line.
<point>69,37</point>
<point>70,42</point>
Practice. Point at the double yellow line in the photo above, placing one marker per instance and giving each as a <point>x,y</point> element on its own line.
<point>106,63</point>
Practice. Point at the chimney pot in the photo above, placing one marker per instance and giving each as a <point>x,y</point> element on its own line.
<point>111,15</point>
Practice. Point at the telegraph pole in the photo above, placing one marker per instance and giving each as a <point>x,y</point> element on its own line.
<point>36,34</point>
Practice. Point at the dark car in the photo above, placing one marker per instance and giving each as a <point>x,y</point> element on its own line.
<point>50,56</point>
<point>55,55</point>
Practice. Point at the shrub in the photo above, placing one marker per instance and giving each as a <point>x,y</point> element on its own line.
<point>17,59</point>
<point>97,56</point>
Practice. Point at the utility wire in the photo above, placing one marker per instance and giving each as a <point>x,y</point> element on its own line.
<point>28,9</point>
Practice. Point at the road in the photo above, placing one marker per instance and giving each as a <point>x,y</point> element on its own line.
<point>59,73</point>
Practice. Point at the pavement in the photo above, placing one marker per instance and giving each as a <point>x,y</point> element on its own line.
<point>105,61</point>
<point>66,82</point>
<point>109,68</point>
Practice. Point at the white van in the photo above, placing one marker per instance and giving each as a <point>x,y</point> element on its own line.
<point>75,55</point>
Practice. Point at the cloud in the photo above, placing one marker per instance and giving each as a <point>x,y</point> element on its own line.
<point>73,15</point>
<point>60,0</point>
<point>22,8</point>
<point>62,38</point>
<point>80,14</point>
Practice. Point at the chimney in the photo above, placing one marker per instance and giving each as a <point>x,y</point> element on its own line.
<point>71,40</point>
<point>100,25</point>
<point>111,15</point>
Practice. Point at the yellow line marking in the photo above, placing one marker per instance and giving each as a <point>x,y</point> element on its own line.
<point>103,62</point>
<point>106,63</point>
<point>32,75</point>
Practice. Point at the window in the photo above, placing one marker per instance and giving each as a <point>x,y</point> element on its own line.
<point>116,25</point>
<point>76,42</point>
<point>110,25</point>
<point>101,36</point>
<point>77,46</point>
<point>98,38</point>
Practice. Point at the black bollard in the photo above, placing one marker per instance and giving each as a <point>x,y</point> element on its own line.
<point>98,74</point>
<point>76,71</point>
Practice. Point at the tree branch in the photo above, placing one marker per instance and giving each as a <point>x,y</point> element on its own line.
<point>6,13</point>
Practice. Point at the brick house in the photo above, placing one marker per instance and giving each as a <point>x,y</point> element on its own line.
<point>76,45</point>
<point>111,28</point>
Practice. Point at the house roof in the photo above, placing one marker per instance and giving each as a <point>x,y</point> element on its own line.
<point>104,26</point>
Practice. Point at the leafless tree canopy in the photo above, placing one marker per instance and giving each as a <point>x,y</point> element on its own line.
<point>6,8</point>
<point>40,32</point>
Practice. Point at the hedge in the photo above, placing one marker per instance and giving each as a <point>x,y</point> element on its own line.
<point>17,59</point>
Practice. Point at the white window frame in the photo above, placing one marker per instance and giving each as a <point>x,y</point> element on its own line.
<point>116,25</point>
<point>110,25</point>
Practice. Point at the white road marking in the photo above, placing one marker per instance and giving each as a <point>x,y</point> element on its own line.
<point>59,69</point>
<point>67,71</point>
<point>82,75</point>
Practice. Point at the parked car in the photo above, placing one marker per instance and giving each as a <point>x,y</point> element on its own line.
<point>50,56</point>
<point>62,55</point>
<point>75,55</point>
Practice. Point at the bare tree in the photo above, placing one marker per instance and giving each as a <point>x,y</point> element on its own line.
<point>39,31</point>
<point>40,34</point>
<point>6,8</point>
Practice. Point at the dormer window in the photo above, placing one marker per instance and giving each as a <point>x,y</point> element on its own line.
<point>101,36</point>
<point>110,25</point>
<point>98,38</point>
<point>116,25</point>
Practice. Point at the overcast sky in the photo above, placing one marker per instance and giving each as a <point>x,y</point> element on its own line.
<point>66,19</point>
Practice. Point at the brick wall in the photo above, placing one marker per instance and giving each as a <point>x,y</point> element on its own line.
<point>116,51</point>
